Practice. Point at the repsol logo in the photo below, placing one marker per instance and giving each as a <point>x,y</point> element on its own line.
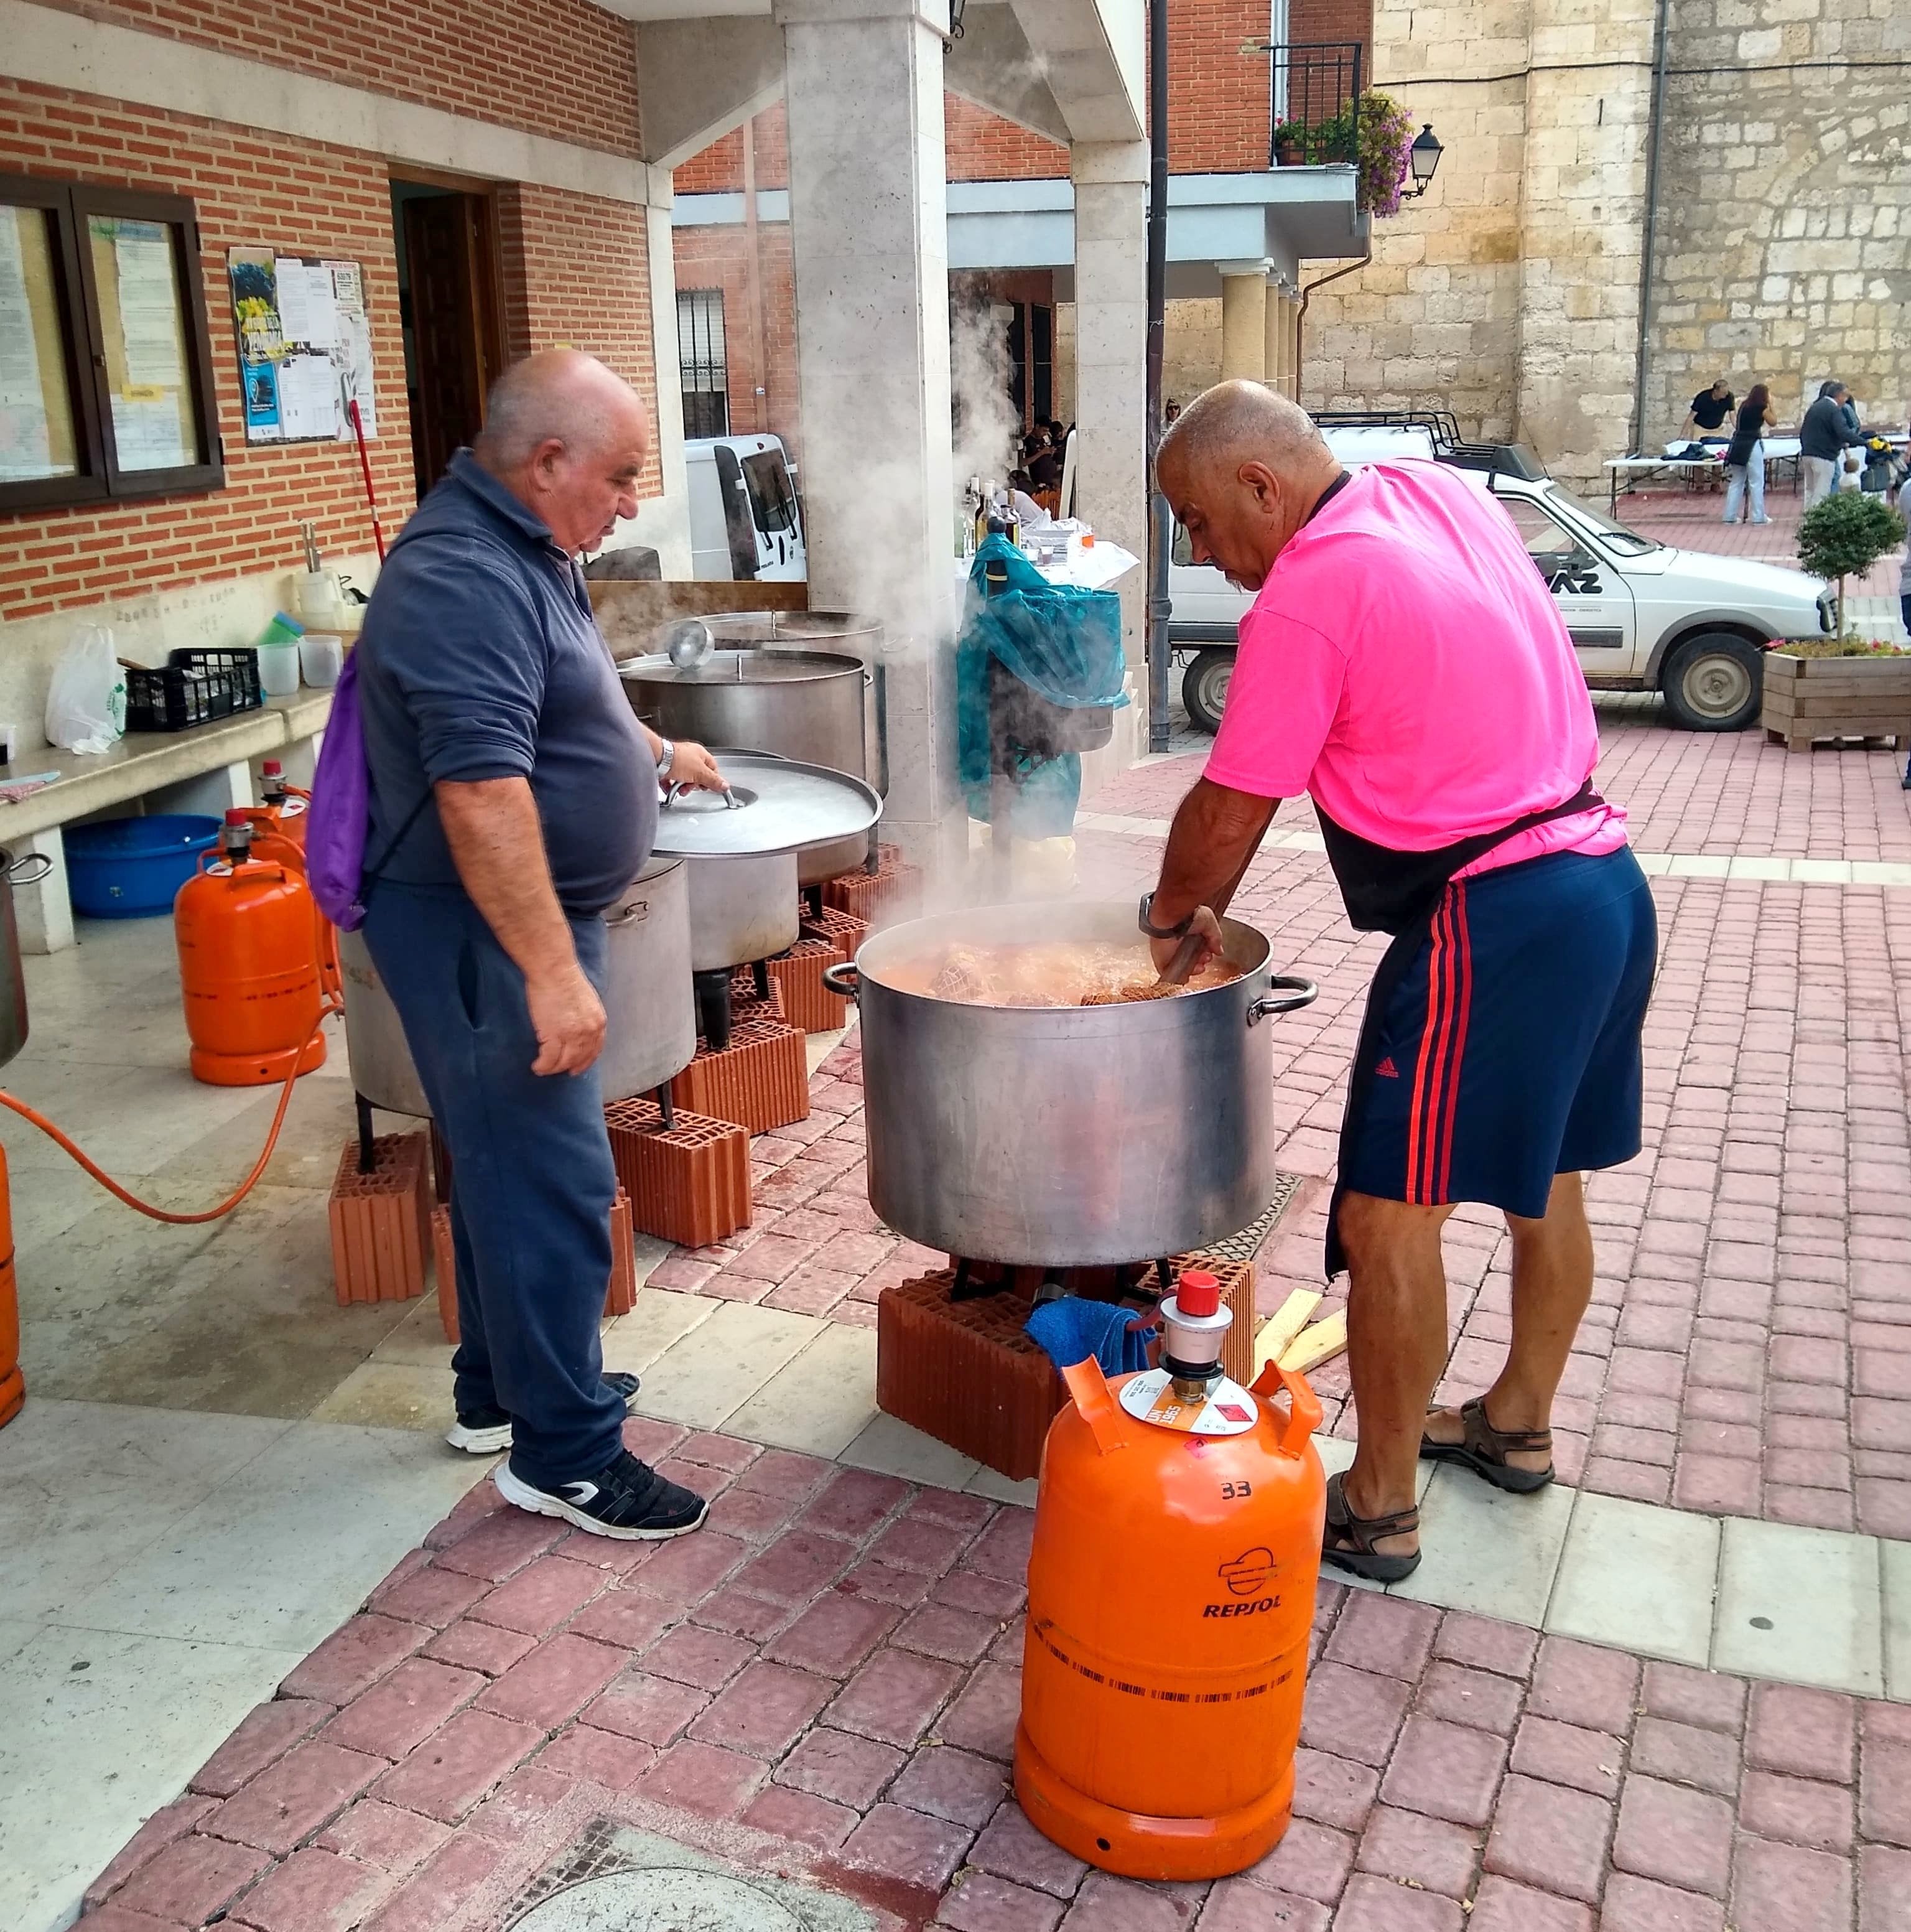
<point>1253,1610</point>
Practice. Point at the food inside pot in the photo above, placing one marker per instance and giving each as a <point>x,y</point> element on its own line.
<point>1050,974</point>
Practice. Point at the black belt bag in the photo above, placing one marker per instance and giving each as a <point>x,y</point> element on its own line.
<point>1388,891</point>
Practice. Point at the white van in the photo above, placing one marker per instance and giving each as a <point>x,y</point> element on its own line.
<point>1641,616</point>
<point>745,521</point>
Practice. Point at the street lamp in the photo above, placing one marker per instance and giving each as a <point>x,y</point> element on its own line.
<point>1423,156</point>
<point>957,9</point>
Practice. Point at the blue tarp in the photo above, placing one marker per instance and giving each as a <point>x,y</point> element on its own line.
<point>1064,644</point>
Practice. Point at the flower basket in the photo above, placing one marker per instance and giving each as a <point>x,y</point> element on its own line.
<point>1865,698</point>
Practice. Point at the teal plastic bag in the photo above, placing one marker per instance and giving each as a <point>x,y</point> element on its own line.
<point>1065,645</point>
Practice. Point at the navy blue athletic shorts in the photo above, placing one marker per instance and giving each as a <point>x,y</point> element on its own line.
<point>1506,1049</point>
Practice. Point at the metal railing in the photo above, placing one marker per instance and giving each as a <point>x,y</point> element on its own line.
<point>1314,91</point>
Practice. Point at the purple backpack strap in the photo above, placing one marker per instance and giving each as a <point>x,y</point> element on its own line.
<point>341,810</point>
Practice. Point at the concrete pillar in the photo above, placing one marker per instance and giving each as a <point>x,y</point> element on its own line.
<point>1280,356</point>
<point>44,908</point>
<point>1244,322</point>
<point>869,232</point>
<point>1111,363</point>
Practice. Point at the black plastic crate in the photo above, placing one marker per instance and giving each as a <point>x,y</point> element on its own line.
<point>193,688</point>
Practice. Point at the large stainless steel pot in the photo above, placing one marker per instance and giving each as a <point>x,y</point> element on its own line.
<point>742,909</point>
<point>1064,1136</point>
<point>13,982</point>
<point>650,1015</point>
<point>802,704</point>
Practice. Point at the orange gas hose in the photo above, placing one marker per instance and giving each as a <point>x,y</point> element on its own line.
<point>146,1207</point>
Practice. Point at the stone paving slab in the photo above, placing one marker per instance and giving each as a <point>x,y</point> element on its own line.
<point>822,1684</point>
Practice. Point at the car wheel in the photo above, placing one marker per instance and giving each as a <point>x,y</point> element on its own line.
<point>1204,690</point>
<point>1715,682</point>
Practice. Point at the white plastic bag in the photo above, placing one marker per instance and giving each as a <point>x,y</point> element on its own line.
<point>86,702</point>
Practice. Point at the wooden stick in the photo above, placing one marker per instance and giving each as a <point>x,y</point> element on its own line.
<point>1280,1328</point>
<point>1320,1343</point>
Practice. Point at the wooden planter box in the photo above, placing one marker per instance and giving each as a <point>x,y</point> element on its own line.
<point>1810,698</point>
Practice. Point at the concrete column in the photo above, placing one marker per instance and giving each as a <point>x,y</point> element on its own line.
<point>1111,367</point>
<point>869,232</point>
<point>1280,356</point>
<point>44,909</point>
<point>1244,322</point>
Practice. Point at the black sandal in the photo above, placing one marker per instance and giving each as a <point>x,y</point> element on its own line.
<point>1348,1540</point>
<point>1483,1449</point>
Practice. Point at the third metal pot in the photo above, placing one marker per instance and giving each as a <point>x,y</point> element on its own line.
<point>741,909</point>
<point>1064,1136</point>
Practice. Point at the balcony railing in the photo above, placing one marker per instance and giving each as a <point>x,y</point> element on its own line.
<point>1314,99</point>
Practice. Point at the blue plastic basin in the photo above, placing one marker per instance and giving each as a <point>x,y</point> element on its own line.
<point>133,868</point>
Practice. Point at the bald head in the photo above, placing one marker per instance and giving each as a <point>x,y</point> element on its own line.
<point>1243,467</point>
<point>568,436</point>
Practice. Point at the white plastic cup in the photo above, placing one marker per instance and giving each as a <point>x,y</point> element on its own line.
<point>320,657</point>
<point>278,669</point>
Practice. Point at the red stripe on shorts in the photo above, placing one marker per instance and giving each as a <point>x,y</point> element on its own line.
<point>1423,1112</point>
<point>1463,1007</point>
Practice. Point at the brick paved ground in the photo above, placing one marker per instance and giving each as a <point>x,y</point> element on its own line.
<point>824,1683</point>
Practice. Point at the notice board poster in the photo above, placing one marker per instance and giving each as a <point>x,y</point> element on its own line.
<point>305,346</point>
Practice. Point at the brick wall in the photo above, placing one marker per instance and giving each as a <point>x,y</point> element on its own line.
<point>1217,96</point>
<point>717,258</point>
<point>561,67</point>
<point>983,146</point>
<point>718,169</point>
<point>575,270</point>
<point>251,189</point>
<point>576,274</point>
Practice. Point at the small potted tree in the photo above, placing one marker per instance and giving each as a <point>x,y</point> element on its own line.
<point>1843,686</point>
<point>1290,143</point>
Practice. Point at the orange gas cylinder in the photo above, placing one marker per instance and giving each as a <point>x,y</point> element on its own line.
<point>273,841</point>
<point>1171,1589</point>
<point>13,1390</point>
<point>246,967</point>
<point>287,803</point>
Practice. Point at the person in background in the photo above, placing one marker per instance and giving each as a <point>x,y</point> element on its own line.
<point>1824,436</point>
<point>513,798</point>
<point>1029,512</point>
<point>1171,414</point>
<point>1710,407</point>
<point>1745,457</point>
<point>1852,469</point>
<point>1044,482</point>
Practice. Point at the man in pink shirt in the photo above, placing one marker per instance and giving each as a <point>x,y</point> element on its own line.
<point>1405,666</point>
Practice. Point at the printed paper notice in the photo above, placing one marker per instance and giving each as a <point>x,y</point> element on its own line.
<point>25,450</point>
<point>147,435</point>
<point>308,397</point>
<point>307,313</point>
<point>305,344</point>
<point>148,306</point>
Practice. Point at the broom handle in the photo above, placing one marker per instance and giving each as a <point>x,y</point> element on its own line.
<point>365,468</point>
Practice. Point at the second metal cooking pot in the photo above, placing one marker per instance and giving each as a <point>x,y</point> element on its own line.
<point>805,705</point>
<point>1065,1136</point>
<point>742,909</point>
<point>650,1015</point>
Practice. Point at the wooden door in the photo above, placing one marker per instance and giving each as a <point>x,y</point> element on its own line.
<point>455,325</point>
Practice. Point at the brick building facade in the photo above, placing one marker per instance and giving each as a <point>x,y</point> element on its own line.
<point>538,100</point>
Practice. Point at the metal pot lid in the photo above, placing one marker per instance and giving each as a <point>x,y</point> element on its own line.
<point>743,666</point>
<point>774,805</point>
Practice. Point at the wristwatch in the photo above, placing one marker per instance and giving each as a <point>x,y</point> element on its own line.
<point>1155,931</point>
<point>666,758</point>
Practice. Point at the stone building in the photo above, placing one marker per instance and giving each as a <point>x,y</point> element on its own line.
<point>1779,219</point>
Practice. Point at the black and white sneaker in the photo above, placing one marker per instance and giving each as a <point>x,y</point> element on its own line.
<point>629,1500</point>
<point>484,1432</point>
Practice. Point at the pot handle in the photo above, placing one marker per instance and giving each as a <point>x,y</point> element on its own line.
<point>1297,993</point>
<point>1304,1413</point>
<point>17,874</point>
<point>636,909</point>
<point>841,979</point>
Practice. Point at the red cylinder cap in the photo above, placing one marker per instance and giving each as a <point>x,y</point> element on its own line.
<point>1198,1294</point>
<point>271,768</point>
<point>237,815</point>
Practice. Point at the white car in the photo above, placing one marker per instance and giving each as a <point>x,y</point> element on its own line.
<point>1641,616</point>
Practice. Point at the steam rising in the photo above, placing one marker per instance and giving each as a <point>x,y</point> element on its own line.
<point>986,429</point>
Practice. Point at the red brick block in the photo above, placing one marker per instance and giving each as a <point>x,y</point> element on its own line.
<point>1805,1733</point>
<point>807,1002</point>
<point>501,1545</point>
<point>1787,1888</point>
<point>286,1803</point>
<point>624,1617</point>
<point>761,1080</point>
<point>655,1711</point>
<point>1679,1837</point>
<point>705,1660</point>
<point>1011,1848</point>
<point>1445,1771</point>
<point>980,1903</point>
<point>378,1229</point>
<point>1412,1849</point>
<point>554,1682</point>
<point>313,1891</point>
<point>689,1183</point>
<point>264,1736</point>
<point>795,1815</point>
<point>1355,1714</point>
<point>598,1757</point>
<point>704,1778</point>
<point>1566,1754</point>
<point>893,891</point>
<point>538,1599</point>
<point>190,1880</point>
<point>620,1298</point>
<point>1633,1904</point>
<point>353,1658</point>
<point>383,1834</point>
<point>170,1822</point>
<point>402,1710</point>
<point>983,1718</point>
<point>764,1711</point>
<point>907,1848</point>
<point>434,1595</point>
<point>835,928</point>
<point>894,1696</point>
<point>1501,1905</point>
<point>1546,1836</point>
<point>452,1769</point>
<point>1387,1634</point>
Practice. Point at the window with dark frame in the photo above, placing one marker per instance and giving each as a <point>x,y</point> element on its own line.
<point>106,359</point>
<point>704,363</point>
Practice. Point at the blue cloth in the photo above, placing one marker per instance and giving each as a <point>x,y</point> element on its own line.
<point>481,659</point>
<point>1505,1049</point>
<point>1071,1330</point>
<point>1064,644</point>
<point>531,1179</point>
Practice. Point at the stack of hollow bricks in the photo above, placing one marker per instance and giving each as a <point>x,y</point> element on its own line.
<point>825,1681</point>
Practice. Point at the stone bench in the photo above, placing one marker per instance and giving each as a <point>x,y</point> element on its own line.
<point>205,769</point>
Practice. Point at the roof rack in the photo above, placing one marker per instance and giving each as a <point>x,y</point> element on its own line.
<point>1497,459</point>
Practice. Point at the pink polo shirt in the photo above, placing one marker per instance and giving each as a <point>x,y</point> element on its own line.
<point>1405,664</point>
